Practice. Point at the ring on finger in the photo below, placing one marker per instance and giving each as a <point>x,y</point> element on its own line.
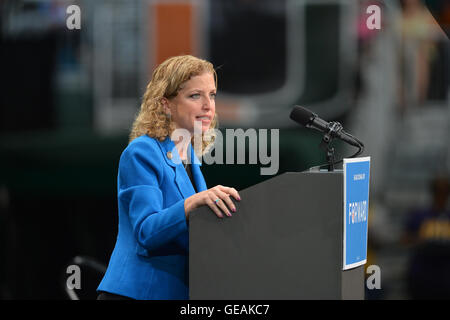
<point>217,201</point>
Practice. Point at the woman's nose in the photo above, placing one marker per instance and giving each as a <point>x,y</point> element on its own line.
<point>207,103</point>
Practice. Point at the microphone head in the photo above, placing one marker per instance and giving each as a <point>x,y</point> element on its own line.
<point>302,115</point>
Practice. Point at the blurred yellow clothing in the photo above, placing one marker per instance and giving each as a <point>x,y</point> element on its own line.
<point>420,25</point>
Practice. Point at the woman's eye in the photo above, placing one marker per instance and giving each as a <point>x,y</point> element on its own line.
<point>195,96</point>
<point>213,95</point>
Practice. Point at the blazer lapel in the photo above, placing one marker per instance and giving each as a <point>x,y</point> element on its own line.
<point>181,177</point>
<point>199,180</point>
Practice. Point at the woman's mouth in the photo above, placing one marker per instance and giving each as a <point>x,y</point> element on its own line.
<point>204,118</point>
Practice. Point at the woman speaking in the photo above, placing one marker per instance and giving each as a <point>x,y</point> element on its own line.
<point>160,183</point>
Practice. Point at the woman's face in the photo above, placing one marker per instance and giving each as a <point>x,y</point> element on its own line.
<point>195,102</point>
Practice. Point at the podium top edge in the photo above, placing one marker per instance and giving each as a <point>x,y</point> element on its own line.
<point>336,171</point>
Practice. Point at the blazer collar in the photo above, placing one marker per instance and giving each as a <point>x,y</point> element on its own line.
<point>172,158</point>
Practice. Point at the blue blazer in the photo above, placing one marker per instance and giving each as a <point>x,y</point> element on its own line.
<point>150,257</point>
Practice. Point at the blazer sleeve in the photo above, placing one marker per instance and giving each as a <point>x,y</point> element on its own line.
<point>139,193</point>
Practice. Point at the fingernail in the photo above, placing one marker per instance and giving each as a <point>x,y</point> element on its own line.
<point>239,198</point>
<point>229,215</point>
<point>234,209</point>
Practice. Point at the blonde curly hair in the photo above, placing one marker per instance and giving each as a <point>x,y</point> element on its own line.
<point>167,79</point>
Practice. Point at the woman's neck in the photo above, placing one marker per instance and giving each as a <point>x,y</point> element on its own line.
<point>182,146</point>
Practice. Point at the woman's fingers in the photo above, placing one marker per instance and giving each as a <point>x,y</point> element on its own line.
<point>219,201</point>
<point>211,203</point>
<point>230,191</point>
<point>227,203</point>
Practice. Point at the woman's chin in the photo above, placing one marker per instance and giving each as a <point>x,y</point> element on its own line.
<point>206,128</point>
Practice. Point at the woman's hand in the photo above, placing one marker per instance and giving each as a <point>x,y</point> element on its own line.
<point>209,197</point>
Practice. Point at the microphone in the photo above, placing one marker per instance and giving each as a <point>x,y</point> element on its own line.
<point>310,120</point>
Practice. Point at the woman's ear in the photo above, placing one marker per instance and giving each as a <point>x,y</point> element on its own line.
<point>165,105</point>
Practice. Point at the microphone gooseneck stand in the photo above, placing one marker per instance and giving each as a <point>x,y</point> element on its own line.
<point>330,131</point>
<point>334,128</point>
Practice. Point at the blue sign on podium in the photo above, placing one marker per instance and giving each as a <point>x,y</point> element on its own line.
<point>356,210</point>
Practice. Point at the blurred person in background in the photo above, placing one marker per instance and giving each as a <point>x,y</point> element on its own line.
<point>419,32</point>
<point>160,183</point>
<point>428,232</point>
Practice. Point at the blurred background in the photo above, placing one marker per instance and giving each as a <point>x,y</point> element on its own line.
<point>69,96</point>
